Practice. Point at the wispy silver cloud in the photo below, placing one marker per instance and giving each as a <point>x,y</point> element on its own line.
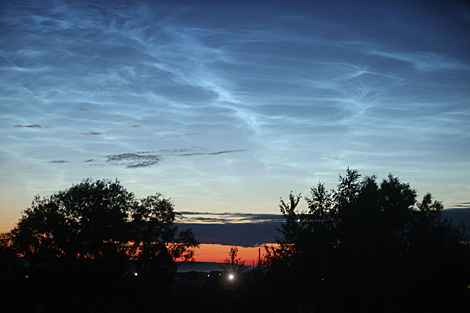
<point>303,92</point>
<point>211,153</point>
<point>425,61</point>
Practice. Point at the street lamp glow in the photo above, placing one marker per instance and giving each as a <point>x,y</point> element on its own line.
<point>230,277</point>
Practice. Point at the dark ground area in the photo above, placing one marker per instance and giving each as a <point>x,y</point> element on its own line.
<point>250,291</point>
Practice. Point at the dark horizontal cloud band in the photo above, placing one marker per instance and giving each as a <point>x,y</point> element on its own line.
<point>250,230</point>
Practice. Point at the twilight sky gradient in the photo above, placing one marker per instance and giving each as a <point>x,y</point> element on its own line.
<point>226,107</point>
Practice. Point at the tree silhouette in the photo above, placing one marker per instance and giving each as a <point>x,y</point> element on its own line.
<point>233,263</point>
<point>88,220</point>
<point>368,241</point>
<point>156,243</point>
<point>96,226</point>
<point>154,233</point>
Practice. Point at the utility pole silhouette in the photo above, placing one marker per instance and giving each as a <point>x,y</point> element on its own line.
<point>259,258</point>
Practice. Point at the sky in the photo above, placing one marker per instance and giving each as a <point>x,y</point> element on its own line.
<point>227,106</point>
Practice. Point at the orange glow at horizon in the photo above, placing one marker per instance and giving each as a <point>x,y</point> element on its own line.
<point>218,253</point>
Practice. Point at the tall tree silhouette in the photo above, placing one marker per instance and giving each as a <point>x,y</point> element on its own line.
<point>156,242</point>
<point>233,263</point>
<point>368,240</point>
<point>100,221</point>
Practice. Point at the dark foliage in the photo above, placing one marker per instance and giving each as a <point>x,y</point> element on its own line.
<point>233,264</point>
<point>367,246</point>
<point>86,247</point>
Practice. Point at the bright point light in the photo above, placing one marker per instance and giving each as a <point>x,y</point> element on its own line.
<point>135,274</point>
<point>230,277</point>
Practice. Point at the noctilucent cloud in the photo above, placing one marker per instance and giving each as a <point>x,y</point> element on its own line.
<point>226,107</point>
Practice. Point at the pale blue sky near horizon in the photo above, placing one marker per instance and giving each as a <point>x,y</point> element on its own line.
<point>228,106</point>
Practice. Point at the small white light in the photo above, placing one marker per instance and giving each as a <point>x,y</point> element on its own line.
<point>135,274</point>
<point>230,277</point>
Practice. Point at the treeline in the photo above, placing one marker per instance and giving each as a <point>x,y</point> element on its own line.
<point>365,246</point>
<point>83,248</point>
<point>370,246</point>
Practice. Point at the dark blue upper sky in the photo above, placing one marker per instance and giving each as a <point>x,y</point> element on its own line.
<point>229,106</point>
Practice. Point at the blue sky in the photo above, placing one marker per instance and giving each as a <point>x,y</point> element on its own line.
<point>226,107</point>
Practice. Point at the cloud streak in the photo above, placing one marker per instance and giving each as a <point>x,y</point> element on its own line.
<point>92,134</point>
<point>251,230</point>
<point>144,159</point>
<point>211,153</point>
<point>229,228</point>
<point>229,217</point>
<point>132,160</point>
<point>29,126</point>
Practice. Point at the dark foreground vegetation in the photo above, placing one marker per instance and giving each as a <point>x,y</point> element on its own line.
<point>366,246</point>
